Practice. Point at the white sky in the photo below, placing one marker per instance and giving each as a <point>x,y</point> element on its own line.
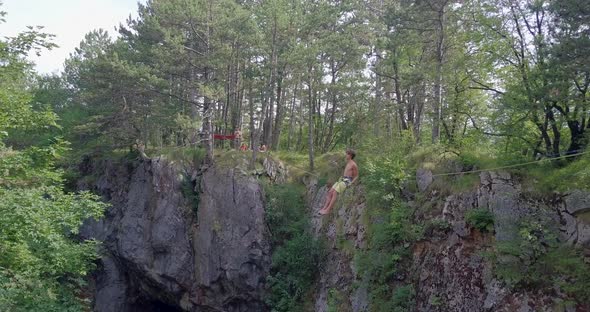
<point>69,20</point>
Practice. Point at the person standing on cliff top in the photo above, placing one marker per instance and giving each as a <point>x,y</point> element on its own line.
<point>350,175</point>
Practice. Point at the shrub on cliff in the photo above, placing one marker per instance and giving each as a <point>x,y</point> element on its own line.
<point>481,219</point>
<point>296,253</point>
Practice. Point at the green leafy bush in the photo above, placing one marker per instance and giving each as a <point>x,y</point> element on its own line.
<point>388,254</point>
<point>403,298</point>
<point>336,300</point>
<point>481,219</point>
<point>295,265</point>
<point>536,260</point>
<point>285,212</point>
<point>391,232</point>
<point>558,176</point>
<point>190,193</point>
<point>438,224</point>
<point>42,265</point>
<point>383,178</point>
<point>297,254</point>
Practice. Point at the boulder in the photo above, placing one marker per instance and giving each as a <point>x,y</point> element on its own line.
<point>423,178</point>
<point>577,202</point>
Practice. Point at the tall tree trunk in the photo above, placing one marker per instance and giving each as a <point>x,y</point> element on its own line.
<point>208,106</point>
<point>194,106</point>
<point>300,132</point>
<point>333,98</point>
<point>292,117</point>
<point>236,103</point>
<point>251,112</point>
<point>555,131</point>
<point>438,96</point>
<point>378,99</point>
<point>276,134</point>
<point>577,123</point>
<point>310,100</point>
<point>544,134</point>
<point>398,96</point>
<point>267,138</point>
<point>226,104</point>
<point>258,134</point>
<point>577,136</point>
<point>420,102</point>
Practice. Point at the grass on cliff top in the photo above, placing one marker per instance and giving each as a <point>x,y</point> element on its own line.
<point>328,167</point>
<point>544,176</point>
<point>557,176</point>
<point>225,158</point>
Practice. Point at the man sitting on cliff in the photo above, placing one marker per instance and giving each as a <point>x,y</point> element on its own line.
<point>350,175</point>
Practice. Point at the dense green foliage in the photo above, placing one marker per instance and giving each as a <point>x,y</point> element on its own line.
<point>481,219</point>
<point>296,253</point>
<point>388,256</point>
<point>507,79</point>
<point>562,177</point>
<point>42,265</point>
<point>391,231</point>
<point>449,86</point>
<point>535,260</point>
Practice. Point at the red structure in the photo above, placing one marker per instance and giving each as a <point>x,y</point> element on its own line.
<point>223,137</point>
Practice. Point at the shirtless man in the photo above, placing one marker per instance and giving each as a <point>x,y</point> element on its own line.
<point>351,173</point>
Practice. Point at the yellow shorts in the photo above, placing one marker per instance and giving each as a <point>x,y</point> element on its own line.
<point>341,185</point>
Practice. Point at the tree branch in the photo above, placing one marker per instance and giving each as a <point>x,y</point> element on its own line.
<point>483,86</point>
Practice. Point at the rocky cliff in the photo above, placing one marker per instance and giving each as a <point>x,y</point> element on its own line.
<point>176,239</point>
<point>339,285</point>
<point>449,269</point>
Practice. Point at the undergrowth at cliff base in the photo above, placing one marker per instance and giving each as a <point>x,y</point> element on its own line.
<point>296,254</point>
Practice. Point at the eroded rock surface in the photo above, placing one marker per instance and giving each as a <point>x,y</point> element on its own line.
<point>449,269</point>
<point>453,273</point>
<point>344,232</point>
<point>162,255</point>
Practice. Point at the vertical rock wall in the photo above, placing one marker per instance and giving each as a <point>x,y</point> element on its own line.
<point>162,255</point>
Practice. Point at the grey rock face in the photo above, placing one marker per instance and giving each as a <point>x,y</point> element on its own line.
<point>275,169</point>
<point>160,256</point>
<point>233,252</point>
<point>453,270</point>
<point>577,202</point>
<point>423,179</point>
<point>577,227</point>
<point>344,232</point>
<point>501,196</point>
<point>573,226</point>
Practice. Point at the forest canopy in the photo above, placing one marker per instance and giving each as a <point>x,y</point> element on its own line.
<point>503,80</point>
<point>509,78</point>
